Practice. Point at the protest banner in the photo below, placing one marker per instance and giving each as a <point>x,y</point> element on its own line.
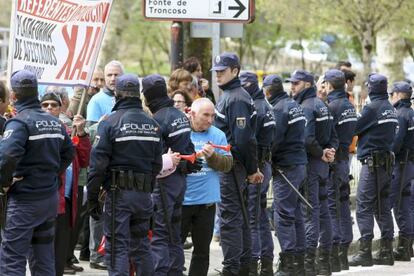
<point>58,40</point>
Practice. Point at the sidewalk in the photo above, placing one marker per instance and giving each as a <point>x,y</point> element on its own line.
<point>216,258</point>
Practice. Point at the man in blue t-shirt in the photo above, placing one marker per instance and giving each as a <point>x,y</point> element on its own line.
<point>101,103</point>
<point>203,187</point>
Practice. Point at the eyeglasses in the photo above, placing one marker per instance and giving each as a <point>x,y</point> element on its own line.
<point>46,105</point>
<point>179,102</point>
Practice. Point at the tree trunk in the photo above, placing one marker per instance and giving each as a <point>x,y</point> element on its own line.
<point>390,52</point>
<point>367,39</point>
<point>118,21</point>
<point>199,48</point>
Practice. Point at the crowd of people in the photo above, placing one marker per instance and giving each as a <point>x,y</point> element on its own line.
<point>134,166</point>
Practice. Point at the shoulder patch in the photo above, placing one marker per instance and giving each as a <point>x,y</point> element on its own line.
<point>241,122</point>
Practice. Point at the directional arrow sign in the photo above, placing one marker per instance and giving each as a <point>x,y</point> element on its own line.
<point>241,11</point>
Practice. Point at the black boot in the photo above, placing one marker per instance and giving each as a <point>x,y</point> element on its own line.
<point>227,273</point>
<point>364,255</point>
<point>253,268</point>
<point>300,264</point>
<point>310,267</point>
<point>411,248</point>
<point>324,262</point>
<point>266,267</point>
<point>343,257</point>
<point>286,265</point>
<point>335,262</point>
<point>402,252</point>
<point>244,270</point>
<point>385,255</point>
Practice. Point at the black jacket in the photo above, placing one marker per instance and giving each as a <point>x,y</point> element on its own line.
<point>289,143</point>
<point>319,130</point>
<point>35,146</point>
<point>344,120</point>
<point>127,140</point>
<point>376,126</point>
<point>404,139</point>
<point>236,117</point>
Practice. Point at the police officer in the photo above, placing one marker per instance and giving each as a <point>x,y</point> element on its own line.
<point>288,158</point>
<point>403,172</point>
<point>344,119</point>
<point>320,143</point>
<point>169,192</point>
<point>236,117</point>
<point>128,132</point>
<point>376,131</point>
<point>35,148</point>
<point>262,242</point>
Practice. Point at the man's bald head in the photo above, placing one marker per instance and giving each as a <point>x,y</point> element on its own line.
<point>201,103</point>
<point>202,114</point>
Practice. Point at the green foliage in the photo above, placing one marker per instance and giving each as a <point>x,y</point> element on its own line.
<point>143,46</point>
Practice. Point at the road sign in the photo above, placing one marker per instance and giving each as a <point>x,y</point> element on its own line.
<point>241,11</point>
<point>205,29</point>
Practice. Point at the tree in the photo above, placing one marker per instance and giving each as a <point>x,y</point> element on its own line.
<point>364,19</point>
<point>142,45</point>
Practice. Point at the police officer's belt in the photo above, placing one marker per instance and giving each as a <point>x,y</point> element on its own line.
<point>130,180</point>
<point>342,154</point>
<point>379,158</point>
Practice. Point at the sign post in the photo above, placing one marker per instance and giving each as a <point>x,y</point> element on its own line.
<point>241,11</point>
<point>214,11</point>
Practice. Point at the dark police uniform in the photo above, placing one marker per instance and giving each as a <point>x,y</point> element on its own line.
<point>262,242</point>
<point>319,135</point>
<point>35,147</point>
<point>175,130</point>
<point>288,156</point>
<point>403,171</point>
<point>236,117</point>
<point>128,151</point>
<point>344,120</point>
<point>376,131</point>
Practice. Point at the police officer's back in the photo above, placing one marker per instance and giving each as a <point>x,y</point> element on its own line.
<point>265,123</point>
<point>35,148</point>
<point>376,131</point>
<point>169,192</point>
<point>288,158</point>
<point>320,143</point>
<point>289,143</point>
<point>344,120</point>
<point>376,125</point>
<point>265,127</point>
<point>125,160</point>
<point>319,128</point>
<point>403,171</point>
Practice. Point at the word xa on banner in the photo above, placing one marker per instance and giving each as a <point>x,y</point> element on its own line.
<point>58,40</point>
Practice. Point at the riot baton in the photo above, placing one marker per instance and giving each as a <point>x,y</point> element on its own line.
<point>374,164</point>
<point>258,199</point>
<point>294,189</point>
<point>258,203</point>
<point>113,199</point>
<point>240,195</point>
<point>3,209</point>
<point>167,221</point>
<point>402,180</point>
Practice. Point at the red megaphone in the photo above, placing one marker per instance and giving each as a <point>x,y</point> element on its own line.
<point>225,148</point>
<point>190,157</point>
